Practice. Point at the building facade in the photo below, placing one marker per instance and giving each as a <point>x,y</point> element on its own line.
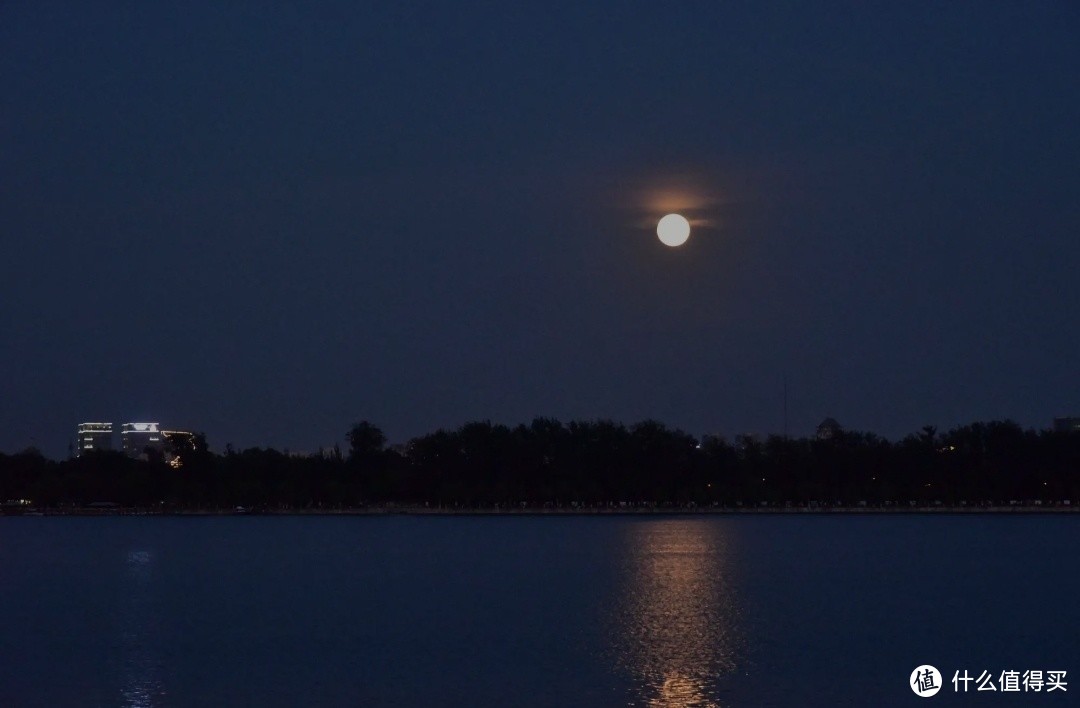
<point>136,438</point>
<point>178,440</point>
<point>93,436</point>
<point>177,443</point>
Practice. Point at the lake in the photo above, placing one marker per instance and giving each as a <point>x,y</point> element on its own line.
<point>741,610</point>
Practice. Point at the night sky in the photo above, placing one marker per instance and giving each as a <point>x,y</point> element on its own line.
<point>268,223</point>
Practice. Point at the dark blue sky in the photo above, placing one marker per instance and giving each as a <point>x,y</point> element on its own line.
<point>267,223</point>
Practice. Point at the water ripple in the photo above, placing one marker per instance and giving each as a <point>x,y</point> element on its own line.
<point>677,620</point>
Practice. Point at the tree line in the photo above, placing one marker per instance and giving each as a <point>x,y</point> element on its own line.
<point>549,463</point>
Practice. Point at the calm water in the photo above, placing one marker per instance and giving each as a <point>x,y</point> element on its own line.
<point>528,611</point>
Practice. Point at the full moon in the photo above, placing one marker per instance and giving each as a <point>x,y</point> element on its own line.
<point>673,230</point>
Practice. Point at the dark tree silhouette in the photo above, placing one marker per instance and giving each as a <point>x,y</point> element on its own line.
<point>582,463</point>
<point>366,442</point>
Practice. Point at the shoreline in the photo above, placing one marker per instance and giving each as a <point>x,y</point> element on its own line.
<point>559,511</point>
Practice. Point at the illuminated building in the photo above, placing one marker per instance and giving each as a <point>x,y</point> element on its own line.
<point>93,436</point>
<point>177,441</point>
<point>137,437</point>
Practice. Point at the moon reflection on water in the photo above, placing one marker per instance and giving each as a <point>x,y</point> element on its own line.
<point>678,620</point>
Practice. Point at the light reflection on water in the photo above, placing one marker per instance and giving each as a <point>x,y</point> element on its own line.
<point>139,630</point>
<point>677,628</point>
